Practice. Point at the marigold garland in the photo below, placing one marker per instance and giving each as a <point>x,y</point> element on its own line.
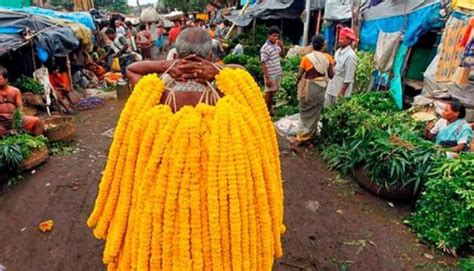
<point>199,189</point>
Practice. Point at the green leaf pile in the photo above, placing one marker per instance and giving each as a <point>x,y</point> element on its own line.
<point>445,212</point>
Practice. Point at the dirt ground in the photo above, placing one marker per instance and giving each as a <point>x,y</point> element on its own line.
<point>332,223</point>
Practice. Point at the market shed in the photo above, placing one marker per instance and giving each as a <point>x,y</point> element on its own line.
<point>451,73</point>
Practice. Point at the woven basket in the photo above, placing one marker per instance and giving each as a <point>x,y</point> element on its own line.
<point>36,158</point>
<point>396,193</point>
<point>59,128</point>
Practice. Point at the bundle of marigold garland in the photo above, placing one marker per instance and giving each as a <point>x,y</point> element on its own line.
<point>199,189</point>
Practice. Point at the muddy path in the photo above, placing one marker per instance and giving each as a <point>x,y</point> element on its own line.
<point>331,223</point>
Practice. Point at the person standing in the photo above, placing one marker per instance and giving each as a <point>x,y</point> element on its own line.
<point>119,29</point>
<point>121,49</point>
<point>315,70</point>
<point>174,32</point>
<point>344,72</point>
<point>270,54</point>
<point>144,42</point>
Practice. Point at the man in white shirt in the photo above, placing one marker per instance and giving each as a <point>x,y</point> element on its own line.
<point>344,71</point>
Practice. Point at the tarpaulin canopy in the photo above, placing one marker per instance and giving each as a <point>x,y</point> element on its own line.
<point>79,17</point>
<point>53,39</point>
<point>413,17</point>
<point>272,9</point>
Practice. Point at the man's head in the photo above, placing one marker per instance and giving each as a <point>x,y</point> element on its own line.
<point>193,40</point>
<point>273,34</point>
<point>318,42</point>
<point>212,7</point>
<point>142,27</point>
<point>346,37</point>
<point>110,34</point>
<point>3,77</point>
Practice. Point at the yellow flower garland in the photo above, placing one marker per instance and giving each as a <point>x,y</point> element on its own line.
<point>199,189</point>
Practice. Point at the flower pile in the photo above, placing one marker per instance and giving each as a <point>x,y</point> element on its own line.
<point>199,189</point>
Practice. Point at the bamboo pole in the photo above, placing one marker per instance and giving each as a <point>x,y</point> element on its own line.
<point>306,22</point>
<point>233,24</point>
<point>318,22</point>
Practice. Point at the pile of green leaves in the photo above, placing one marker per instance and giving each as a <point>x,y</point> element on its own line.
<point>367,130</point>
<point>15,148</point>
<point>28,84</point>
<point>445,211</point>
<point>251,63</point>
<point>342,120</point>
<point>365,67</point>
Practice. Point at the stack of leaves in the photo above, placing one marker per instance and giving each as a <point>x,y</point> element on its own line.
<point>366,131</point>
<point>365,68</point>
<point>208,199</point>
<point>28,84</point>
<point>14,149</point>
<point>445,211</point>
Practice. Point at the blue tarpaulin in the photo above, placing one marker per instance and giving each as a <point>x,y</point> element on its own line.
<point>413,25</point>
<point>78,17</point>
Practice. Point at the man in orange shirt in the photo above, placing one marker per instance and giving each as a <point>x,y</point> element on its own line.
<point>174,32</point>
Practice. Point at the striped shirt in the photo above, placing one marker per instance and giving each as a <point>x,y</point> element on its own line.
<point>270,56</point>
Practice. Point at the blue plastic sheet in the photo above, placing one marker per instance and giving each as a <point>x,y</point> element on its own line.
<point>413,25</point>
<point>79,17</point>
<point>396,89</point>
<point>10,30</point>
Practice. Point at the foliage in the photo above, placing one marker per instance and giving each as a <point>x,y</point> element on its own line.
<point>291,63</point>
<point>10,157</point>
<point>445,211</point>
<point>27,142</point>
<point>289,88</point>
<point>67,4</point>
<point>341,120</point>
<point>184,5</point>
<point>365,67</point>
<point>466,264</point>
<point>236,59</point>
<point>28,84</point>
<point>366,130</point>
<point>63,148</point>
<point>119,6</point>
<point>253,43</point>
<point>15,148</point>
<point>17,121</point>
<point>285,110</point>
<point>395,161</point>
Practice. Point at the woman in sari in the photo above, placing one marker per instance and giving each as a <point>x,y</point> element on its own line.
<point>451,131</point>
<point>315,70</point>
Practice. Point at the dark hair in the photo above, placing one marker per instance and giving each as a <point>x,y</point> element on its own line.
<point>142,27</point>
<point>4,72</point>
<point>458,108</point>
<point>109,31</point>
<point>318,42</point>
<point>273,30</point>
<point>128,23</point>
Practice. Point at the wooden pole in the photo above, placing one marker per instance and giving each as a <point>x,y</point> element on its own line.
<point>306,22</point>
<point>318,21</point>
<point>281,26</point>
<point>68,64</point>
<point>254,26</point>
<point>33,55</point>
<point>233,25</point>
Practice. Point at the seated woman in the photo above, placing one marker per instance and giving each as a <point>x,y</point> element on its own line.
<point>451,131</point>
<point>10,101</point>
<point>61,85</point>
<point>315,70</point>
